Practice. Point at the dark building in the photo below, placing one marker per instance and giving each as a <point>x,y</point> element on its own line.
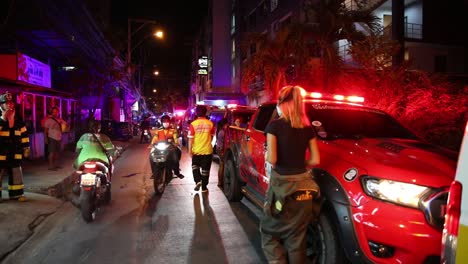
<point>54,53</point>
<point>428,31</point>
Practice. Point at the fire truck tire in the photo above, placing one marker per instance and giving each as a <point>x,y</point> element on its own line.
<point>323,244</point>
<point>232,186</point>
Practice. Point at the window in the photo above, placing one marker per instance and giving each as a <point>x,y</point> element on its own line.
<point>252,20</point>
<point>28,111</point>
<point>40,112</point>
<point>233,23</point>
<point>253,48</point>
<point>264,117</point>
<point>233,49</point>
<point>274,5</point>
<point>440,63</point>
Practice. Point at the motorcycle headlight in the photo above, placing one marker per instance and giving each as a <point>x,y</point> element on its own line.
<point>401,193</point>
<point>161,146</point>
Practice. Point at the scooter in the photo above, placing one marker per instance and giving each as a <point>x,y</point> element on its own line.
<point>146,136</point>
<point>161,164</point>
<point>94,187</point>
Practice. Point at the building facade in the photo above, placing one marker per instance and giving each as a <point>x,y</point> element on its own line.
<point>428,32</point>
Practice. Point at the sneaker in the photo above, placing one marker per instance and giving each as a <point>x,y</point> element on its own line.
<point>204,189</point>
<point>197,186</point>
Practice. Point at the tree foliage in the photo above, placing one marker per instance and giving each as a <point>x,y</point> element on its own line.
<point>430,105</point>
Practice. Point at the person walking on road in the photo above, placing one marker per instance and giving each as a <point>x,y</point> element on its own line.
<point>289,201</point>
<point>200,149</point>
<point>53,137</point>
<point>14,146</point>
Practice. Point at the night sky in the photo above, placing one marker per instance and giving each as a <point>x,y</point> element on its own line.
<point>181,21</point>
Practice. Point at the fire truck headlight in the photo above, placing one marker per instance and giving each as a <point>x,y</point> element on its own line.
<point>405,194</point>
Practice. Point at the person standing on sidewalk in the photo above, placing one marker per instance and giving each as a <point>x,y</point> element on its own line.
<point>220,142</point>
<point>53,137</point>
<point>14,145</point>
<point>200,149</point>
<point>292,190</point>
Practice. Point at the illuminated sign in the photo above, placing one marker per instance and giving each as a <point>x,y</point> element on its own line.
<point>203,62</point>
<point>202,72</point>
<point>33,71</point>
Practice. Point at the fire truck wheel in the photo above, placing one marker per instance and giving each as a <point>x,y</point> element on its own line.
<point>232,187</point>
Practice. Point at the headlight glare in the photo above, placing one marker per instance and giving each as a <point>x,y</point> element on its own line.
<point>161,146</point>
<point>405,194</point>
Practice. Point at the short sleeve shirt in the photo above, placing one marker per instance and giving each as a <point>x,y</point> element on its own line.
<point>202,131</point>
<point>55,128</point>
<point>292,144</point>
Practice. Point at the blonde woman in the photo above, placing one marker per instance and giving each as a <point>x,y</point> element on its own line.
<point>289,200</point>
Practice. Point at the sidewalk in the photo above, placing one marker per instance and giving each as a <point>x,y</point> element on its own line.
<point>46,192</point>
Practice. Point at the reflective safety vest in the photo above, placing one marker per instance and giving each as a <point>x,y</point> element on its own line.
<point>165,134</point>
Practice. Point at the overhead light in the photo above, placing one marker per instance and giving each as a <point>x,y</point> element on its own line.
<point>68,68</point>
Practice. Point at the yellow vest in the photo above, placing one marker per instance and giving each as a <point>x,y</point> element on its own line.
<point>202,131</point>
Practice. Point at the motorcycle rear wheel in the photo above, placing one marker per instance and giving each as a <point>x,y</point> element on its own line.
<point>159,180</point>
<point>87,206</point>
<point>108,194</point>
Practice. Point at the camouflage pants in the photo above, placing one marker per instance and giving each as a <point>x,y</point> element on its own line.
<point>284,234</point>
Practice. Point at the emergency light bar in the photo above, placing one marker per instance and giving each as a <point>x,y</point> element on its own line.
<point>336,97</point>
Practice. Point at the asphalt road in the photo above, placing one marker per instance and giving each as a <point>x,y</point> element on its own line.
<point>181,226</point>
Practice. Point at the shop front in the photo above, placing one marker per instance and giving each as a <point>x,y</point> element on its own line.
<point>29,81</point>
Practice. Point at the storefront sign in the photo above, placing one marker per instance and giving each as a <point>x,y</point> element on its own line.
<point>202,72</point>
<point>33,71</point>
<point>203,62</point>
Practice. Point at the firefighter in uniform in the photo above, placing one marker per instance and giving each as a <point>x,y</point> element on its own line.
<point>14,145</point>
<point>166,132</point>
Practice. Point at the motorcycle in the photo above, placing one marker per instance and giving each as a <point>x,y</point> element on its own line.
<point>94,177</point>
<point>146,136</point>
<point>161,165</point>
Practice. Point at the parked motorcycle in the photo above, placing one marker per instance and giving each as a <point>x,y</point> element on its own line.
<point>95,187</point>
<point>161,164</point>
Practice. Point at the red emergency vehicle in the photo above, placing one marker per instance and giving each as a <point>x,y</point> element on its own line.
<point>383,189</point>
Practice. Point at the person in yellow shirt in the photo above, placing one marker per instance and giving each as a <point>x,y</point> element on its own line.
<point>200,149</point>
<point>167,133</point>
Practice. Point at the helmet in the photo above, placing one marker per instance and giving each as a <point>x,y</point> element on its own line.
<point>165,118</point>
<point>5,97</point>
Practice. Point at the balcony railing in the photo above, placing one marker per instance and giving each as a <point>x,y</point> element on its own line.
<point>412,31</point>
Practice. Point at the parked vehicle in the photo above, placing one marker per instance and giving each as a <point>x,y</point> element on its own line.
<point>161,165</point>
<point>95,187</point>
<point>117,130</point>
<point>381,186</point>
<point>231,113</point>
<point>455,234</point>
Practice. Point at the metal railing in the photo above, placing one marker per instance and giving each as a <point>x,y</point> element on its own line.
<point>412,31</point>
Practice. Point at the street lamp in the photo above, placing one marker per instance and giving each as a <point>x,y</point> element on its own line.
<point>159,34</point>
<point>143,22</point>
<point>156,72</point>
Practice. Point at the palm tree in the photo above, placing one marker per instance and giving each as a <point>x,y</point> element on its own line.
<point>275,57</point>
<point>329,21</point>
<point>326,22</point>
